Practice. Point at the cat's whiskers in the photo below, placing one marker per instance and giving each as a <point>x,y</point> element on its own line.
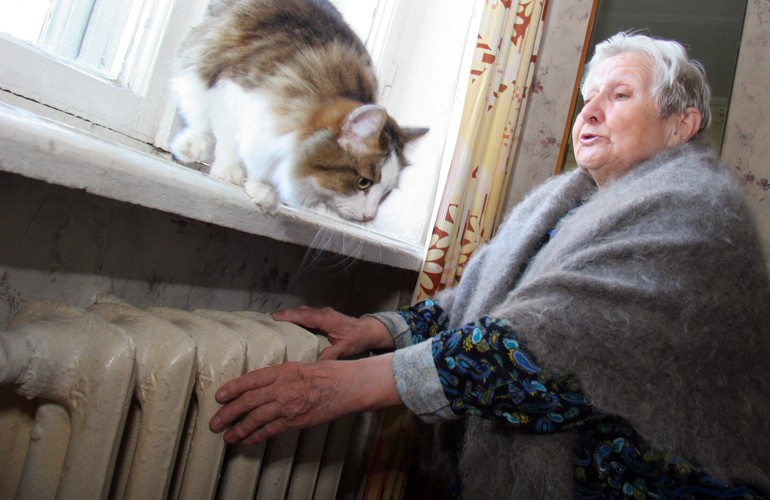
<point>321,256</point>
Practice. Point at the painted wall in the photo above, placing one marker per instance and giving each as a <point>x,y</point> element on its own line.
<point>69,246</point>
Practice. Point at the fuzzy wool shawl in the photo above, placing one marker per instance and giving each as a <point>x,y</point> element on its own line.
<point>654,294</point>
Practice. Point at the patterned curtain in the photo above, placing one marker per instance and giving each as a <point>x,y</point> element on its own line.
<point>501,73</point>
<point>502,69</point>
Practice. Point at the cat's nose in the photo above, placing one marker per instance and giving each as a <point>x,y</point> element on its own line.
<point>367,218</point>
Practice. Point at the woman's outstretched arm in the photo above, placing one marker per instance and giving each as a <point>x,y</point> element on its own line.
<point>269,401</point>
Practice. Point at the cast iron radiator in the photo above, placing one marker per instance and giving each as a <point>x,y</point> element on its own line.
<point>114,402</point>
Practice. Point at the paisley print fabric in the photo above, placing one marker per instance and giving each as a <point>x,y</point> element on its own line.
<point>486,371</point>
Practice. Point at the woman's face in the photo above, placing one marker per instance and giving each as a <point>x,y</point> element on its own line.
<point>620,123</point>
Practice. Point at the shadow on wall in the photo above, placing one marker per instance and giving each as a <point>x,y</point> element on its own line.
<point>69,245</point>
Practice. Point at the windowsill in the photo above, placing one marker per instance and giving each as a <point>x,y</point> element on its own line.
<point>45,150</point>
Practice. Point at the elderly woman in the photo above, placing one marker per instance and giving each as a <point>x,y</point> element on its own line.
<point>610,341</point>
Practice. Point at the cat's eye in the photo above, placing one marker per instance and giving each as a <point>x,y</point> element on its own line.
<point>362,183</point>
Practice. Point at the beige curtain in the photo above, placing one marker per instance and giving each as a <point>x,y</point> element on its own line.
<point>501,74</point>
<point>502,69</point>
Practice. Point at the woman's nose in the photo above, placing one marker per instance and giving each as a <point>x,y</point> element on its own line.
<point>591,111</point>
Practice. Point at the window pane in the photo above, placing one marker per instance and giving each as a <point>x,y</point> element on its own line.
<point>23,19</point>
<point>113,39</point>
<point>359,14</point>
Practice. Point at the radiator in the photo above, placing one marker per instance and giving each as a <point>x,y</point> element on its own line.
<point>114,402</point>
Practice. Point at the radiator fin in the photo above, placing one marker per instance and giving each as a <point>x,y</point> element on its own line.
<point>114,402</point>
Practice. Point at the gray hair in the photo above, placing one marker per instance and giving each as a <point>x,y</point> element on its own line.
<point>678,81</point>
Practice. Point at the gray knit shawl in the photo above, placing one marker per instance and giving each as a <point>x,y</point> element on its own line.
<point>654,293</point>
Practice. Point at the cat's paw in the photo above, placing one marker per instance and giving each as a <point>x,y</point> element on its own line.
<point>231,172</point>
<point>190,146</point>
<point>263,195</point>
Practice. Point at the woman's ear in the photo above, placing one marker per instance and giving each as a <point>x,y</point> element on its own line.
<point>687,125</point>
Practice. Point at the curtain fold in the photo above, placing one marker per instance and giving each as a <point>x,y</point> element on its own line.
<point>471,205</point>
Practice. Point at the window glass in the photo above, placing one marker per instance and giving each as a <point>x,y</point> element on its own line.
<point>359,14</point>
<point>112,39</point>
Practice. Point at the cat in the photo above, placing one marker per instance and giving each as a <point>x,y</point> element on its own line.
<point>282,93</point>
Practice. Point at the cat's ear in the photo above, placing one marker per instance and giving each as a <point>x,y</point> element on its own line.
<point>361,128</point>
<point>411,133</point>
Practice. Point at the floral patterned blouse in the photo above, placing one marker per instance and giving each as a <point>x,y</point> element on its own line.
<point>485,371</point>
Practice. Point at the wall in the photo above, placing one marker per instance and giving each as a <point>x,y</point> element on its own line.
<point>69,246</point>
<point>746,145</point>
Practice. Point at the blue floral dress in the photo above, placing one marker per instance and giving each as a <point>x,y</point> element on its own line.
<point>485,371</point>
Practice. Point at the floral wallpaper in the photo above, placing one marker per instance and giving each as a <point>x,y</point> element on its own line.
<point>746,145</point>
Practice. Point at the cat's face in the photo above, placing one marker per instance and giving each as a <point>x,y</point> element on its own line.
<point>353,165</point>
<point>351,185</point>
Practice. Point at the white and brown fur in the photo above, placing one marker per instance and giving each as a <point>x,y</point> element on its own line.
<point>283,93</point>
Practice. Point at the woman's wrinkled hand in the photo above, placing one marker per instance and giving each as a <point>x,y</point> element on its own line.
<point>269,401</point>
<point>348,336</point>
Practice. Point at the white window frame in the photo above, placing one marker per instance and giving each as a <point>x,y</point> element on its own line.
<point>422,52</point>
<point>38,77</point>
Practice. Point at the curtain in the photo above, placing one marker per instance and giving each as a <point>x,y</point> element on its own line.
<point>501,74</point>
<point>499,81</point>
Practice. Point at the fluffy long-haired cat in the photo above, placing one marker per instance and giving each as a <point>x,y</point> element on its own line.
<point>283,92</point>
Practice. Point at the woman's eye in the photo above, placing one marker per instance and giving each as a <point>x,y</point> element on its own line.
<point>362,183</point>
